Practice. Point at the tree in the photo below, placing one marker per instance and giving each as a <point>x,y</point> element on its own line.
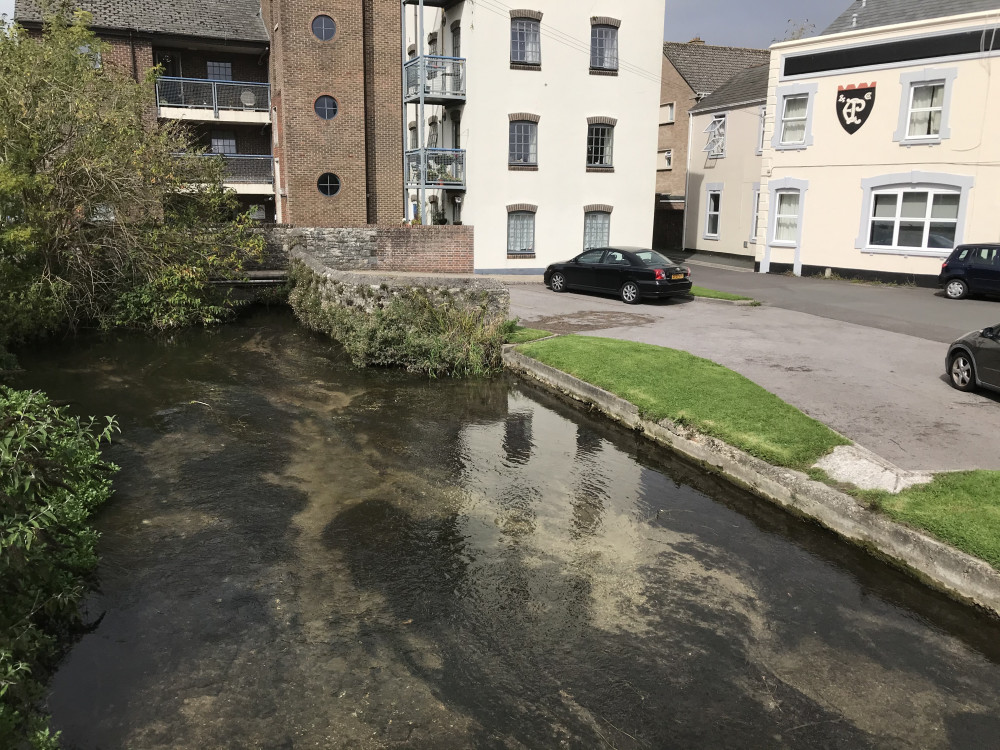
<point>797,30</point>
<point>100,220</point>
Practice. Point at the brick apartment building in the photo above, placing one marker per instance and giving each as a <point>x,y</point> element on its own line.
<point>301,99</point>
<point>691,72</point>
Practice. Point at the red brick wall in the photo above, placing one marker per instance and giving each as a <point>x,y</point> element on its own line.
<point>437,249</point>
<point>304,68</point>
<point>119,54</point>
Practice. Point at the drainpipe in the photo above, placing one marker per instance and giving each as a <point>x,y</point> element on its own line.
<point>135,63</point>
<point>687,183</point>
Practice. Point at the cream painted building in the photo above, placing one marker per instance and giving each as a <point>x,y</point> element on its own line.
<point>877,149</point>
<point>724,163</point>
<point>534,123</point>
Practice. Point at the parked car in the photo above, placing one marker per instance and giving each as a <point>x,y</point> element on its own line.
<point>974,360</point>
<point>631,273</point>
<point>971,269</point>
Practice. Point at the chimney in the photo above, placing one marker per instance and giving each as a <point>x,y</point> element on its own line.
<point>697,40</point>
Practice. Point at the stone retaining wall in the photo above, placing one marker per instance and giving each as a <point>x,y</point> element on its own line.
<point>367,290</point>
<point>420,249</point>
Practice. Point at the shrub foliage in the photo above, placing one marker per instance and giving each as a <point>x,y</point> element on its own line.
<point>98,213</point>
<point>438,336</point>
<point>52,478</point>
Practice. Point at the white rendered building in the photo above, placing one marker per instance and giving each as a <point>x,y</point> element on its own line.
<point>533,123</point>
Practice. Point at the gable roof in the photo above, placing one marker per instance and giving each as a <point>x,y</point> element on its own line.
<point>887,12</point>
<point>706,67</point>
<point>745,88</point>
<point>237,20</point>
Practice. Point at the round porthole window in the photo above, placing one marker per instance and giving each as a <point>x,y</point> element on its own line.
<point>329,184</point>
<point>324,28</point>
<point>326,107</point>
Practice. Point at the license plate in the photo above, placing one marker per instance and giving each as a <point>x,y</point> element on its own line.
<point>677,276</point>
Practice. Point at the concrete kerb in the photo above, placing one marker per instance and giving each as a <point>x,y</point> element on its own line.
<point>945,568</point>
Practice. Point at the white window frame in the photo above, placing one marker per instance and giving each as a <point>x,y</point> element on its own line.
<point>775,187</point>
<point>716,145</point>
<point>755,213</point>
<point>713,188</point>
<point>787,120</point>
<point>909,82</point>
<point>223,70</point>
<point>775,242</point>
<point>898,219</point>
<point>665,162</point>
<point>513,217</point>
<point>912,182</point>
<point>784,93</point>
<point>588,230</point>
<point>668,110</point>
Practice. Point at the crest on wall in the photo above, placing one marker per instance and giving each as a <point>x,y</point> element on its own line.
<point>855,105</point>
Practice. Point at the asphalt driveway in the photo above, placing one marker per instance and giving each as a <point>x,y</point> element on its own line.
<point>868,378</point>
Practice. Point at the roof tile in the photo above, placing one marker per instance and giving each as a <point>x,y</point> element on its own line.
<point>237,20</point>
<point>873,13</point>
<point>747,87</point>
<point>705,67</point>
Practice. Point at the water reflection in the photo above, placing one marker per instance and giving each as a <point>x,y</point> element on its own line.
<point>302,554</point>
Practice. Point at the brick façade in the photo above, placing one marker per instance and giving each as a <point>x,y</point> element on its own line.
<point>362,145</point>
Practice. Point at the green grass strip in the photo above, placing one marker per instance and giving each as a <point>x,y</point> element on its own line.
<point>700,291</point>
<point>522,335</point>
<point>666,383</point>
<point>961,509</point>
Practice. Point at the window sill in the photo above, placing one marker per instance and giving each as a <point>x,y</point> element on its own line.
<point>665,169</point>
<point>790,147</point>
<point>782,243</point>
<point>522,167</point>
<point>603,72</point>
<point>600,169</point>
<point>916,252</point>
<point>712,237</point>
<point>520,256</point>
<point>525,66</point>
<point>921,142</point>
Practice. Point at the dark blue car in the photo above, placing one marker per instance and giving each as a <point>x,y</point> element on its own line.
<point>632,273</point>
<point>971,269</point>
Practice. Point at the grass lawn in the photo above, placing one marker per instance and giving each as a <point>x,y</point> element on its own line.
<point>523,335</point>
<point>700,291</point>
<point>961,509</point>
<point>666,383</point>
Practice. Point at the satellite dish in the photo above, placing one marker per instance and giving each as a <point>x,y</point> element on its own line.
<point>248,98</point>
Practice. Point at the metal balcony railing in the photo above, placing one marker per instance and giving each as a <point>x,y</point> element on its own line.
<point>243,168</point>
<point>199,93</point>
<point>443,78</point>
<point>442,167</point>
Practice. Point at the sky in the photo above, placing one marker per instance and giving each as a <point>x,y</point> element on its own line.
<point>744,23</point>
<point>737,23</point>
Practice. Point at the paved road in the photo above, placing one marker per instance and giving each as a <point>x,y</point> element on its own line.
<point>917,312</point>
<point>883,388</point>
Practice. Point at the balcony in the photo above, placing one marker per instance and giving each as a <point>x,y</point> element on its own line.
<point>442,79</point>
<point>445,168</point>
<point>246,174</point>
<point>213,101</point>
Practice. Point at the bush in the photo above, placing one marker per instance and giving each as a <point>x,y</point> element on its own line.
<point>436,336</point>
<point>52,478</point>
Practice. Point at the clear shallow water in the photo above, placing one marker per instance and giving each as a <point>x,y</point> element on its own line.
<point>301,554</point>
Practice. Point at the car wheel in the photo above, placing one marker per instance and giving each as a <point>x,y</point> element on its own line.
<point>630,293</point>
<point>956,289</point>
<point>961,371</point>
<point>558,282</point>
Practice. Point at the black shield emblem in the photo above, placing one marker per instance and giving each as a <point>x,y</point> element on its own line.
<point>855,105</point>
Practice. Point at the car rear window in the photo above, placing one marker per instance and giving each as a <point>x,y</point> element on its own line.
<point>653,258</point>
<point>962,254</point>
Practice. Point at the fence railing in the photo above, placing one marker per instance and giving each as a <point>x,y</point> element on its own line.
<point>442,77</point>
<point>198,93</point>
<point>243,168</point>
<point>443,167</point>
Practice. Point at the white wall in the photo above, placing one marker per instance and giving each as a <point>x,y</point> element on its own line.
<point>564,94</point>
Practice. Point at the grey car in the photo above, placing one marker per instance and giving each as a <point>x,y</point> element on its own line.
<point>974,360</point>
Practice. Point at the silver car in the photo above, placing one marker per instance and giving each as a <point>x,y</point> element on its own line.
<point>974,360</point>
